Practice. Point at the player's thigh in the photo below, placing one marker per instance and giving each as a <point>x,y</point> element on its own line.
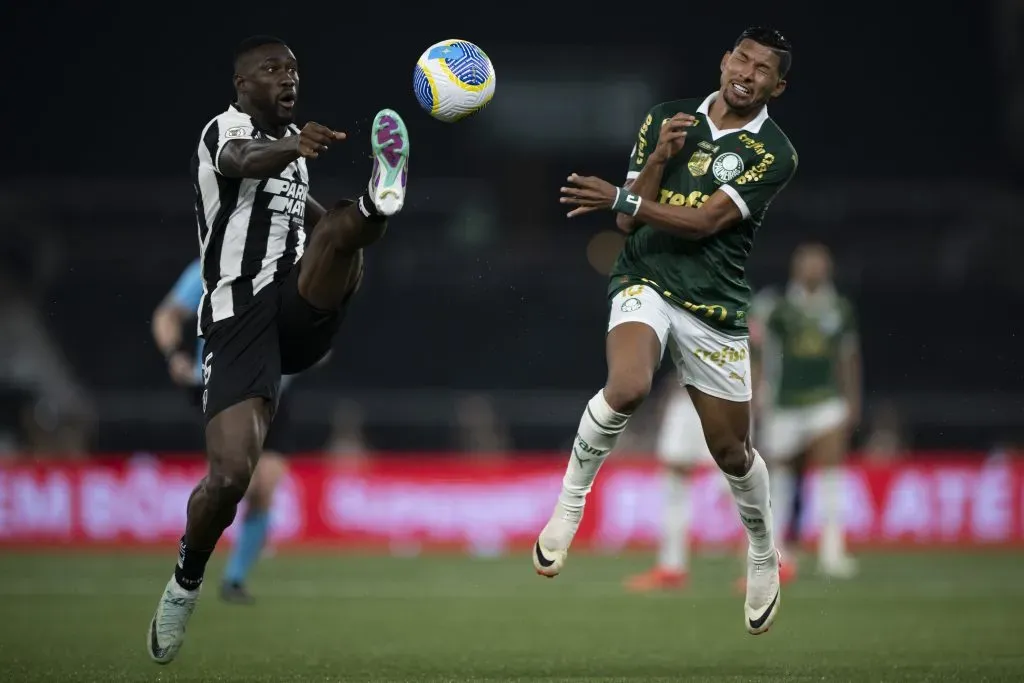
<point>680,441</point>
<point>306,332</point>
<point>333,260</point>
<point>241,358</point>
<point>638,327</point>
<point>715,368</point>
<point>714,363</point>
<point>281,435</point>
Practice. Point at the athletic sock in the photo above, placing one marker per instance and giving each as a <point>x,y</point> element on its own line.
<point>191,566</point>
<point>599,429</point>
<point>247,549</point>
<point>673,551</point>
<point>751,492</point>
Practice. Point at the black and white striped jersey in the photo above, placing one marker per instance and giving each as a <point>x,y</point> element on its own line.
<point>251,230</point>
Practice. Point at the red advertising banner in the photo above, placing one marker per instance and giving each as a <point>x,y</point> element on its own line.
<point>484,505</point>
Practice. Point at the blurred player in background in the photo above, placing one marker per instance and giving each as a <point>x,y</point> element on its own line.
<point>812,372</point>
<point>681,450</point>
<point>179,308</point>
<point>700,179</point>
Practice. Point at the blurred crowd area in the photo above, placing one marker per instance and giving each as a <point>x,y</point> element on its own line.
<point>480,325</point>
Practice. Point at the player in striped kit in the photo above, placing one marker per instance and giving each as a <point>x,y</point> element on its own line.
<point>271,302</point>
<point>179,308</point>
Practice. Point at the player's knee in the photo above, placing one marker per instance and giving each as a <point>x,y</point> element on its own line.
<point>350,232</point>
<point>228,479</point>
<point>732,455</point>
<point>626,391</point>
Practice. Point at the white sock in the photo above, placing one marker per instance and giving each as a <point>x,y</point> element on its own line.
<point>599,430</point>
<point>783,488</point>
<point>832,545</point>
<point>673,551</point>
<point>751,492</point>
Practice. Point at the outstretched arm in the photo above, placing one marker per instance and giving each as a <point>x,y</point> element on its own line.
<point>256,158</point>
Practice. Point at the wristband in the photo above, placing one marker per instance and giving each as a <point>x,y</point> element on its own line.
<point>626,202</point>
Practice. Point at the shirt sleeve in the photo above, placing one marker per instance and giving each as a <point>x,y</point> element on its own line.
<point>754,189</point>
<point>646,141</point>
<point>188,290</point>
<point>231,125</point>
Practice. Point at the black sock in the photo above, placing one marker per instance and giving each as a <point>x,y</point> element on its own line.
<point>369,209</point>
<point>191,566</point>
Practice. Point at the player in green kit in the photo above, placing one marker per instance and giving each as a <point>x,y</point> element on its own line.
<point>811,361</point>
<point>700,179</point>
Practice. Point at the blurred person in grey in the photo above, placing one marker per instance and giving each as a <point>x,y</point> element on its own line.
<point>272,302</point>
<point>50,413</point>
<point>701,176</point>
<point>812,381</point>
<point>184,365</point>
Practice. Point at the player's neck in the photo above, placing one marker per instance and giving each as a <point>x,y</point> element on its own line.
<point>726,118</point>
<point>261,121</point>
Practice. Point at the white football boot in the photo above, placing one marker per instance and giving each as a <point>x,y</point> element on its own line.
<point>167,629</point>
<point>763,593</point>
<point>390,142</point>
<point>552,545</point>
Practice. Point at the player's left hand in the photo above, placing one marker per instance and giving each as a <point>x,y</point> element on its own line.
<point>588,193</point>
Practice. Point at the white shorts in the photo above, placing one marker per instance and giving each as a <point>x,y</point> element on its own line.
<point>788,431</point>
<point>681,437</point>
<point>708,360</point>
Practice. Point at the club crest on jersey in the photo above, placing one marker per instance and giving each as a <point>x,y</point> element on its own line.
<point>631,304</point>
<point>699,163</point>
<point>727,166</point>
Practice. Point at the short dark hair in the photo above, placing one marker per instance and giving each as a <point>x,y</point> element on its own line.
<point>770,38</point>
<point>253,42</point>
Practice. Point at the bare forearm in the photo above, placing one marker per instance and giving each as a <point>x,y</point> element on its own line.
<point>258,158</point>
<point>681,221</point>
<point>166,330</point>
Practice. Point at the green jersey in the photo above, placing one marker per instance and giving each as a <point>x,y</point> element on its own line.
<point>806,337</point>
<point>750,164</point>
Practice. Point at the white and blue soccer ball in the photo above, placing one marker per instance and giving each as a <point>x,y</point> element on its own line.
<point>453,79</point>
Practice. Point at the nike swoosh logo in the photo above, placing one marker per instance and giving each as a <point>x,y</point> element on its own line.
<point>543,561</point>
<point>759,622</point>
<point>155,650</point>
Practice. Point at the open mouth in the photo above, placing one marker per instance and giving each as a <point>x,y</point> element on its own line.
<point>741,89</point>
<point>287,100</point>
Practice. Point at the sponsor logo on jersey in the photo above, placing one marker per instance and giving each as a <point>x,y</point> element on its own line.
<point>291,196</point>
<point>238,132</point>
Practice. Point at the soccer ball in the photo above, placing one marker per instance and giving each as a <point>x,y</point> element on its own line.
<point>453,79</point>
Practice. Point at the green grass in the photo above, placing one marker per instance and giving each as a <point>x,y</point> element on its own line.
<point>913,617</point>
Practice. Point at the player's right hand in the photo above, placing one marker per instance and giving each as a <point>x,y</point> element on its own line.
<point>314,139</point>
<point>672,136</point>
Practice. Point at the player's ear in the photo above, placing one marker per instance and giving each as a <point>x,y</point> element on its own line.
<point>779,88</point>
<point>239,81</point>
<point>725,58</point>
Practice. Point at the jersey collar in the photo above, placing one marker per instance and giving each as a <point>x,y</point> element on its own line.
<point>753,126</point>
<point>292,129</point>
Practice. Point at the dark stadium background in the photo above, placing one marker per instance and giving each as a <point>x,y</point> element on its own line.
<point>907,124</point>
